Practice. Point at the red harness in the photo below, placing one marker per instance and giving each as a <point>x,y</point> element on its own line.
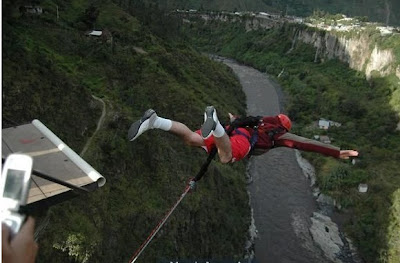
<point>264,135</point>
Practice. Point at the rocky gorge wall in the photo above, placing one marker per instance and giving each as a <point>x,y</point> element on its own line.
<point>358,50</point>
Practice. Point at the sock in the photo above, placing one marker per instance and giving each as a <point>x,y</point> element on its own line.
<point>219,130</point>
<point>162,123</point>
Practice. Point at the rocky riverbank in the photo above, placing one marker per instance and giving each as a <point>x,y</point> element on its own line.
<point>326,233</point>
<point>290,217</point>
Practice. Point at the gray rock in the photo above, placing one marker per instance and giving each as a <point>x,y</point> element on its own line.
<point>326,200</point>
<point>308,169</point>
<point>326,234</point>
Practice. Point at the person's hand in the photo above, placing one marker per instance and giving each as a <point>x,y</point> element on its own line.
<point>22,248</point>
<point>232,117</point>
<point>346,154</point>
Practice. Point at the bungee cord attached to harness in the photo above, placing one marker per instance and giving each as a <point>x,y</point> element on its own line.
<point>249,121</point>
<point>191,184</point>
<point>158,227</point>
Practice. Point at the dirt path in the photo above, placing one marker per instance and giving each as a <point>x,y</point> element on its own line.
<point>99,124</point>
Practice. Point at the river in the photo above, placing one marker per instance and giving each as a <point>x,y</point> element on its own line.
<point>281,197</point>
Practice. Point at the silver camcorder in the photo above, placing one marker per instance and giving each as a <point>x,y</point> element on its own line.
<point>14,188</point>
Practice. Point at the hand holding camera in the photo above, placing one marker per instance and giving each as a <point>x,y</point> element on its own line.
<point>14,188</point>
<point>18,244</point>
<point>22,247</point>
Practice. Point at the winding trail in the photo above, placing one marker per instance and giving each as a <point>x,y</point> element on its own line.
<point>281,196</point>
<point>99,124</point>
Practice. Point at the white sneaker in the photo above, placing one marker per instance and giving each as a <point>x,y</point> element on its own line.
<point>210,122</point>
<point>142,125</point>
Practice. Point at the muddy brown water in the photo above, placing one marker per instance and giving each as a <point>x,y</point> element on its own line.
<point>281,196</point>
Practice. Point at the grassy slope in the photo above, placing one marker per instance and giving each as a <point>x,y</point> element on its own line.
<point>58,67</point>
<point>331,90</point>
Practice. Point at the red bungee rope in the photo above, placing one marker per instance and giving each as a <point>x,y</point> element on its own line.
<point>159,225</point>
<point>189,186</point>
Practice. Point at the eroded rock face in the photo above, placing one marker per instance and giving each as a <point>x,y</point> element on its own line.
<point>354,51</point>
<point>381,61</point>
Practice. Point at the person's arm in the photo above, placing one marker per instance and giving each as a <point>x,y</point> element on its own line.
<point>22,248</point>
<point>294,141</point>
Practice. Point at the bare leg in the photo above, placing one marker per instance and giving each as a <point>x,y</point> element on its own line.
<point>194,139</point>
<point>224,148</point>
<point>150,120</point>
<point>212,126</point>
<point>187,135</point>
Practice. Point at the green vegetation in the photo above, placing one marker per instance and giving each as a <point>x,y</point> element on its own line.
<point>367,110</point>
<point>50,70</point>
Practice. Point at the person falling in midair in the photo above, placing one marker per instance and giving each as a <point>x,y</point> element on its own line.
<point>251,136</point>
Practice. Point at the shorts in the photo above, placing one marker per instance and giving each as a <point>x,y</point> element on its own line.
<point>240,144</point>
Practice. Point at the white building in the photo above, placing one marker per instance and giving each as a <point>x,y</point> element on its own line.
<point>362,188</point>
<point>323,124</point>
<point>34,9</point>
<point>95,33</point>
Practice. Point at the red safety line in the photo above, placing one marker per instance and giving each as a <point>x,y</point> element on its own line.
<point>158,227</point>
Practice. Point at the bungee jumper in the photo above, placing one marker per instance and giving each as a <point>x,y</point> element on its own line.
<point>250,135</point>
<point>244,136</point>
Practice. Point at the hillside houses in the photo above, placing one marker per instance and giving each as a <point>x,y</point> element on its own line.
<point>95,33</point>
<point>347,24</point>
<point>101,35</point>
<point>325,124</point>
<point>30,9</point>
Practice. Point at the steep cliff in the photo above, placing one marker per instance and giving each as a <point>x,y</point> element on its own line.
<point>367,109</point>
<point>361,49</point>
<point>358,51</point>
<point>366,47</point>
